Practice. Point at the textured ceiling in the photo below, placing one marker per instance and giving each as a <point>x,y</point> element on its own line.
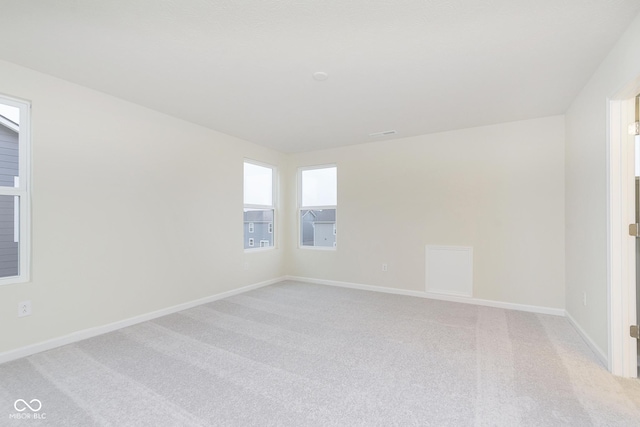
<point>245,67</point>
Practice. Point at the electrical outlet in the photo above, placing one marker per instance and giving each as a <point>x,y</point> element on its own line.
<point>584,299</point>
<point>384,267</point>
<point>24,308</point>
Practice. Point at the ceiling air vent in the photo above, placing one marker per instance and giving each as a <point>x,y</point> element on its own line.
<point>384,133</point>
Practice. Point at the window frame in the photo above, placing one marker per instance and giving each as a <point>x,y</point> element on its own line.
<point>274,195</point>
<point>22,191</point>
<point>302,207</point>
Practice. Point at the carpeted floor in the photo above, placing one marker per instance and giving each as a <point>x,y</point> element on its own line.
<point>296,354</point>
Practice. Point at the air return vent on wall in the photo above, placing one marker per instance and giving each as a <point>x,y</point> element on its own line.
<point>449,270</point>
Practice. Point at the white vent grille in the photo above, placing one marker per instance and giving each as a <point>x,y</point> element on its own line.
<point>383,133</point>
<point>449,270</point>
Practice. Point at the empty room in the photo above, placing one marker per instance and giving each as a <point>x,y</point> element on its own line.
<point>304,213</point>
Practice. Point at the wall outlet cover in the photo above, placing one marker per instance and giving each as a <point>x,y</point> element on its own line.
<point>24,308</point>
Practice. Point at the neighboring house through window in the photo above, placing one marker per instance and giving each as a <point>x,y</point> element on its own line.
<point>318,201</point>
<point>259,206</point>
<point>14,190</point>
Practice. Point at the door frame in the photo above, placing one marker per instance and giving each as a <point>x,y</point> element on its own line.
<point>621,263</point>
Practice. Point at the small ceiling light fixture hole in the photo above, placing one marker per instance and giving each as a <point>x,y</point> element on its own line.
<point>320,76</point>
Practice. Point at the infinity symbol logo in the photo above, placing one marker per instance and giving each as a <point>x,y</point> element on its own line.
<point>21,403</point>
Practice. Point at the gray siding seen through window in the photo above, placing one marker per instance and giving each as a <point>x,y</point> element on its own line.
<point>9,261</point>
<point>258,225</point>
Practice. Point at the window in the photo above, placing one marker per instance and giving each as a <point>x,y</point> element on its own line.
<point>259,206</point>
<point>318,201</point>
<point>14,190</point>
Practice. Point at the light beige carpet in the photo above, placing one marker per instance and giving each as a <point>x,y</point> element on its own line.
<point>296,354</point>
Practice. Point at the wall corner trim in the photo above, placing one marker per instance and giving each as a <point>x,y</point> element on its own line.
<point>433,295</point>
<point>99,330</point>
<point>601,355</point>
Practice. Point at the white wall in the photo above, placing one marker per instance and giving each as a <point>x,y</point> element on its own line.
<point>133,211</point>
<point>499,189</point>
<point>586,181</point>
<point>130,208</point>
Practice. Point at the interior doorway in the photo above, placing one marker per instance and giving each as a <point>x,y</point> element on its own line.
<point>623,259</point>
<point>637,221</point>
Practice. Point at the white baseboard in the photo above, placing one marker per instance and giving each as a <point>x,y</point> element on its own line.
<point>99,330</point>
<point>432,295</point>
<point>594,347</point>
